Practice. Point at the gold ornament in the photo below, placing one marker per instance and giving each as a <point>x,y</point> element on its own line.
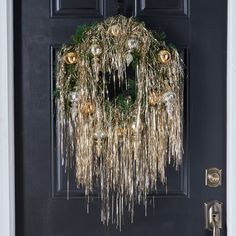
<point>96,50</point>
<point>87,108</point>
<point>120,132</point>
<point>115,30</point>
<point>135,128</point>
<point>153,99</point>
<point>71,58</point>
<point>164,56</point>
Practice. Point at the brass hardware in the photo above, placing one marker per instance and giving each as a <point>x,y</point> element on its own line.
<point>213,217</point>
<point>213,177</point>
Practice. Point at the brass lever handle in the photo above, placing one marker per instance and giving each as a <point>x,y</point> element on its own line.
<point>213,217</point>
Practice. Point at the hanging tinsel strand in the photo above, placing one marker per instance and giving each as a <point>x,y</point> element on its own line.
<point>122,143</point>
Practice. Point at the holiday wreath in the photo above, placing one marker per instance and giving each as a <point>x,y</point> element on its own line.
<point>119,94</point>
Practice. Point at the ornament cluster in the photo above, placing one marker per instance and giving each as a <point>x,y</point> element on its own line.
<point>119,129</point>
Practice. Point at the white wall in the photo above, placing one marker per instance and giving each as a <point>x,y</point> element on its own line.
<point>7,221</point>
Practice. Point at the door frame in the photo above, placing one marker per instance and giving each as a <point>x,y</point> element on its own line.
<point>7,183</point>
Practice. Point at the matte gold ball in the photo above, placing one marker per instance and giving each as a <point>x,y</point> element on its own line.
<point>115,30</point>
<point>96,50</point>
<point>71,58</point>
<point>164,56</point>
<point>87,108</point>
<point>153,99</point>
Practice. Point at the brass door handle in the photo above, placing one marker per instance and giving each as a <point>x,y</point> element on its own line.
<point>213,217</point>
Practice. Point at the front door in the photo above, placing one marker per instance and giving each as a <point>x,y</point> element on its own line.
<point>198,29</point>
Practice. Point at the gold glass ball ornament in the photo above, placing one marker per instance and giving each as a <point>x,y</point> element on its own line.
<point>115,30</point>
<point>164,56</point>
<point>136,128</point>
<point>87,108</point>
<point>96,50</point>
<point>71,57</point>
<point>120,131</point>
<point>153,99</point>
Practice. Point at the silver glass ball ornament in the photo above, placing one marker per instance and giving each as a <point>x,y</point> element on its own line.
<point>74,96</point>
<point>168,96</point>
<point>96,50</point>
<point>132,43</point>
<point>99,135</point>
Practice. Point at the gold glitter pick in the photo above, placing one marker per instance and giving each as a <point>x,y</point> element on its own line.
<point>124,143</point>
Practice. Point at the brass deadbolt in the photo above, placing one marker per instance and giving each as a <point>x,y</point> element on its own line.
<point>213,177</point>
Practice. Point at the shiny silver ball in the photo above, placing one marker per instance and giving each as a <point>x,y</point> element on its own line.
<point>132,43</point>
<point>99,135</point>
<point>74,96</point>
<point>96,50</point>
<point>168,97</point>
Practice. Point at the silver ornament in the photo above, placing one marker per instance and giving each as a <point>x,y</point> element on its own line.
<point>96,50</point>
<point>132,43</point>
<point>74,96</point>
<point>99,135</point>
<point>168,96</point>
<point>168,99</point>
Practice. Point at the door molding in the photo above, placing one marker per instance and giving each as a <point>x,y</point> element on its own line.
<point>231,118</point>
<point>7,183</point>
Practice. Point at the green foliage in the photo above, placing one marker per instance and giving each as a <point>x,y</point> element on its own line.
<point>159,35</point>
<point>80,33</point>
<point>56,93</point>
<point>126,99</point>
<point>136,58</point>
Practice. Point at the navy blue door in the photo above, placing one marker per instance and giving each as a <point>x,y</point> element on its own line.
<point>198,29</point>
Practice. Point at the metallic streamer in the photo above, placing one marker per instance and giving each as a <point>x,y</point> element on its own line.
<point>124,151</point>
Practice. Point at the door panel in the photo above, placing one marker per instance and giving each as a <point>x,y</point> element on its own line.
<point>198,29</point>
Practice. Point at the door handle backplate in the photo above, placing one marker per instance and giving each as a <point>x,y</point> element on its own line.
<point>213,217</point>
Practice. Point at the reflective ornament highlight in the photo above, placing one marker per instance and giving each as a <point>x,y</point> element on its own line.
<point>129,59</point>
<point>115,30</point>
<point>96,50</point>
<point>87,108</point>
<point>153,99</point>
<point>74,96</point>
<point>71,58</point>
<point>132,43</point>
<point>164,56</point>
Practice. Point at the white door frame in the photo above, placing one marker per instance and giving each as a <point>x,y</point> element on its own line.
<point>7,184</point>
<point>231,119</point>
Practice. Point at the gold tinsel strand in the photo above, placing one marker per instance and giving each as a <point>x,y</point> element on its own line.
<point>126,152</point>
